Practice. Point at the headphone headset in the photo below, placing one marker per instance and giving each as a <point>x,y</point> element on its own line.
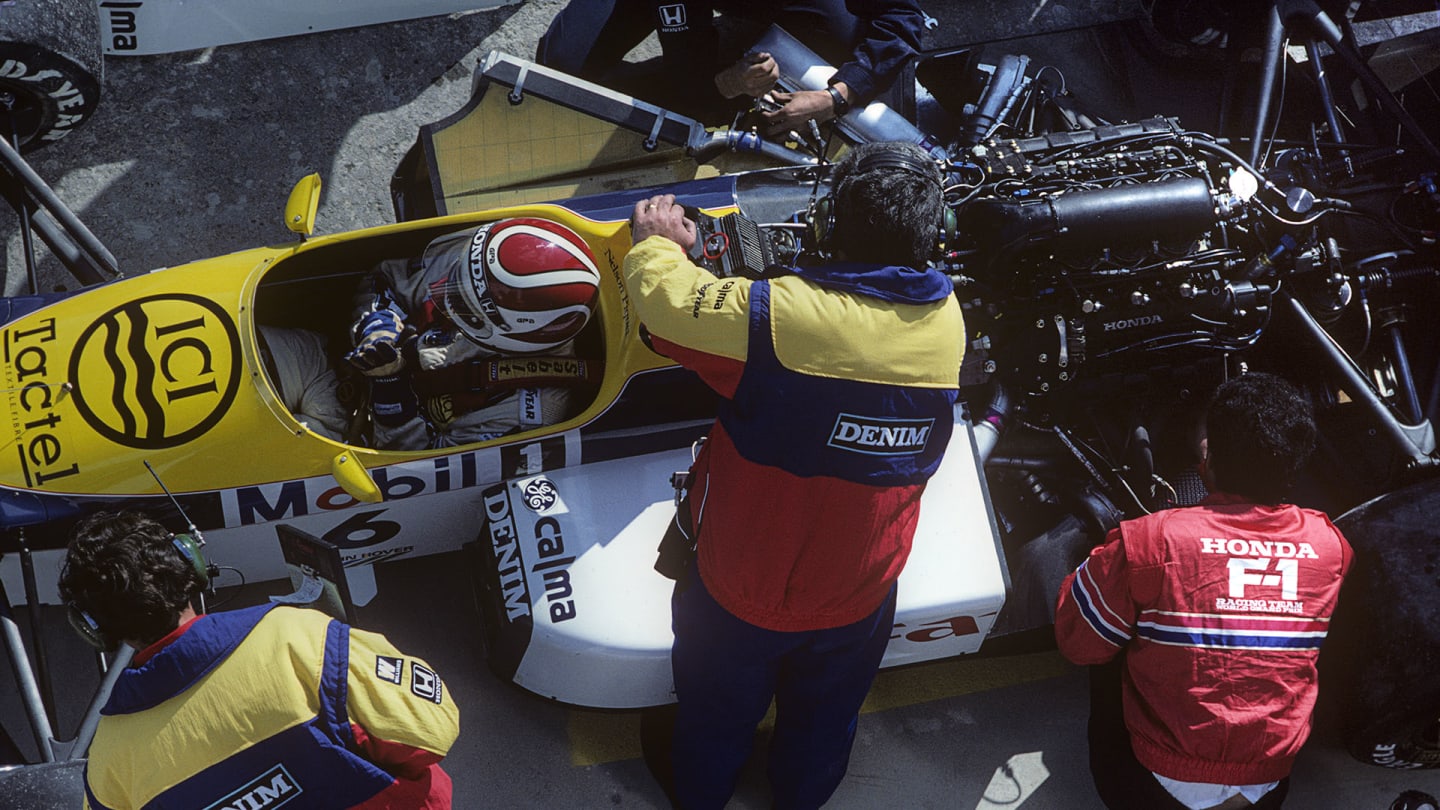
<point>822,222</point>
<point>189,548</point>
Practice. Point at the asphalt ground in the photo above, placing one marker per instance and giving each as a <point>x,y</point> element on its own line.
<point>192,155</point>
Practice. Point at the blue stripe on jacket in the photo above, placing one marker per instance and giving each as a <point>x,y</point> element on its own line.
<point>867,433</point>
<point>207,643</point>
<point>312,766</point>
<point>1202,638</point>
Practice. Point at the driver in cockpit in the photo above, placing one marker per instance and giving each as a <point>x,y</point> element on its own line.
<point>475,339</point>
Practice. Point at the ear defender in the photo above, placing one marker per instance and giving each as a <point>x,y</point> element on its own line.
<point>949,223</point>
<point>189,548</point>
<point>89,629</point>
<point>822,222</point>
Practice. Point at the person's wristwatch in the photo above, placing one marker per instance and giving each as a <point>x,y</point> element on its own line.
<point>838,99</point>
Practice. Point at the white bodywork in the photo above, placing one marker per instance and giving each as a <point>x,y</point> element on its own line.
<point>593,617</point>
<point>591,624</point>
<point>142,27</point>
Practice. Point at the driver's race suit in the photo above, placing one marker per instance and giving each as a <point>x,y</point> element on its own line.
<point>453,409</point>
<point>273,705</point>
<point>1221,609</point>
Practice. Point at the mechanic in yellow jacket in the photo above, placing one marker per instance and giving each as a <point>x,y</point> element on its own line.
<point>838,384</point>
<point>248,708</point>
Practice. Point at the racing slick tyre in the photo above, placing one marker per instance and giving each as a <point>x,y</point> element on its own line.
<point>50,68</point>
<point>1384,648</point>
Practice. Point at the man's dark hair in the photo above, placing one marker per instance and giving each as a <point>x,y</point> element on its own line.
<point>1260,430</point>
<point>885,214</point>
<point>125,571</point>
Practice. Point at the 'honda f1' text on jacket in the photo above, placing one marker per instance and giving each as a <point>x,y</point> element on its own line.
<point>1221,609</point>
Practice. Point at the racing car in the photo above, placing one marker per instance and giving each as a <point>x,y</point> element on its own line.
<point>164,372</point>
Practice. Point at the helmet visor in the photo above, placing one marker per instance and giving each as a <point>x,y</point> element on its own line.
<point>458,292</point>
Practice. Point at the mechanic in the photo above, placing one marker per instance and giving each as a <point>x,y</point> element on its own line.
<point>1208,620</point>
<point>236,707</point>
<point>804,514</point>
<point>476,338</point>
<point>870,41</point>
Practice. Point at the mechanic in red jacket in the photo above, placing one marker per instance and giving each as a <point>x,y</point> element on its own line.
<point>838,388</point>
<point>1209,619</point>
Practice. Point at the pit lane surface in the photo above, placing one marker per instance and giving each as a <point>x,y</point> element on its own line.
<point>191,155</point>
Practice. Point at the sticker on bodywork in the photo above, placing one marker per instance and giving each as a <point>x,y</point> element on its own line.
<point>158,371</point>
<point>36,393</point>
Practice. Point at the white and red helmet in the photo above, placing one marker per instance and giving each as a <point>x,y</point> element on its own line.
<point>516,286</point>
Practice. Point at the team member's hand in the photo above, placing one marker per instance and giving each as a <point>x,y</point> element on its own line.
<point>662,216</point>
<point>753,75</point>
<point>378,336</point>
<point>797,108</point>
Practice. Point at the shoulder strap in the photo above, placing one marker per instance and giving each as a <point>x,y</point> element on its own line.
<point>761,353</point>
<point>503,374</point>
<point>335,683</point>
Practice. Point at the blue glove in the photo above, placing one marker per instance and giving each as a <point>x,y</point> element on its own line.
<point>378,337</point>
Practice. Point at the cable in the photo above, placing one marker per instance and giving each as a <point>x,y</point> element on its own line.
<point>1282,220</point>
<point>1075,445</point>
<point>1280,105</point>
<point>233,596</point>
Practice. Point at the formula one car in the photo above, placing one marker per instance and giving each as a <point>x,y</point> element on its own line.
<point>1111,274</point>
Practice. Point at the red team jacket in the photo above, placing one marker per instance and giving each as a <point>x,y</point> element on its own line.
<point>1222,608</point>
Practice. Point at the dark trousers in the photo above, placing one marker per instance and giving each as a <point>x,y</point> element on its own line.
<point>590,38</point>
<point>1122,782</point>
<point>726,673</point>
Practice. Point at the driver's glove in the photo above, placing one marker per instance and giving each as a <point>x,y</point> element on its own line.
<point>379,335</point>
<point>392,400</point>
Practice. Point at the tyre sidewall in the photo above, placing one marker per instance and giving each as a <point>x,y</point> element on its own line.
<point>50,59</point>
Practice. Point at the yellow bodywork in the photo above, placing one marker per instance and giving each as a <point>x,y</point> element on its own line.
<point>165,368</point>
<point>304,201</point>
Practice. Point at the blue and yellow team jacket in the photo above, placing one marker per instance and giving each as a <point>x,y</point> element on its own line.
<point>273,706</point>
<point>840,386</point>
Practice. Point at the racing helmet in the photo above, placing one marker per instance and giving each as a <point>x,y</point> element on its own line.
<point>516,286</point>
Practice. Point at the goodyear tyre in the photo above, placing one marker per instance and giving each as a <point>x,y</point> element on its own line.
<point>1384,650</point>
<point>50,68</point>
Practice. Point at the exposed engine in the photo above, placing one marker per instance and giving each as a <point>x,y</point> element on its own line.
<point>1111,277</point>
<point>1080,251</point>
